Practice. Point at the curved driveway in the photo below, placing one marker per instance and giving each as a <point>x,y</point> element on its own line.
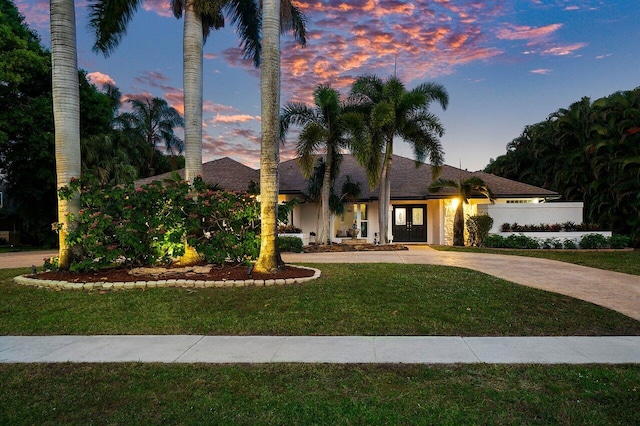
<point>614,290</point>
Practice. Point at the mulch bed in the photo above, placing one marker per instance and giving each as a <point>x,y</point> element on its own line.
<point>335,247</point>
<point>216,273</point>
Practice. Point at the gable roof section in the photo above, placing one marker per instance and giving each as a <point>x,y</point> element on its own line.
<point>409,182</point>
<point>226,172</point>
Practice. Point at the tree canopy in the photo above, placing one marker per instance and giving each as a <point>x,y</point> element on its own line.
<point>588,152</point>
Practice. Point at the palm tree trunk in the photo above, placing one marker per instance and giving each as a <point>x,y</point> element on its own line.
<point>192,68</point>
<point>66,112</point>
<point>458,226</point>
<point>269,259</point>
<point>326,192</point>
<point>384,194</point>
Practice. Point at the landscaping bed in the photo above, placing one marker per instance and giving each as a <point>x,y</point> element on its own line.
<point>204,273</point>
<point>337,247</point>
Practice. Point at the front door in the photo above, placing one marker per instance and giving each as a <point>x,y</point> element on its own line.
<point>409,224</point>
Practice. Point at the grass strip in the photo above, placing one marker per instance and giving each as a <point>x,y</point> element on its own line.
<point>318,394</point>
<point>349,299</point>
<point>625,261</point>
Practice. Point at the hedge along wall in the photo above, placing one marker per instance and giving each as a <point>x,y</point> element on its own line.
<point>532,213</point>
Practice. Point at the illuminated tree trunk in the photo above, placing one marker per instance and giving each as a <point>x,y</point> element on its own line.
<point>192,68</point>
<point>269,259</point>
<point>66,112</point>
<point>325,233</point>
<point>384,194</point>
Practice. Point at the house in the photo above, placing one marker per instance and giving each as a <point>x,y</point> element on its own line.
<point>416,216</point>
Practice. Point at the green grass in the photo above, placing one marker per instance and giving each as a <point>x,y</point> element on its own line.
<point>372,299</point>
<point>318,394</point>
<point>624,261</point>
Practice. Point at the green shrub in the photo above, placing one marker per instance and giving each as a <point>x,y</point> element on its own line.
<point>619,241</point>
<point>520,241</point>
<point>478,227</point>
<point>594,241</point>
<point>569,244</point>
<point>494,241</point>
<point>551,243</point>
<point>151,224</point>
<point>292,244</point>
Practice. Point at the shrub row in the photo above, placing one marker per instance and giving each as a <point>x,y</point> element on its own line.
<point>545,227</point>
<point>588,241</point>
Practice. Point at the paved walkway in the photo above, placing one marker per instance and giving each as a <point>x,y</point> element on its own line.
<point>617,291</point>
<point>24,259</point>
<point>322,349</point>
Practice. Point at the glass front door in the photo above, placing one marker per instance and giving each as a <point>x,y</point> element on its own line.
<point>409,223</point>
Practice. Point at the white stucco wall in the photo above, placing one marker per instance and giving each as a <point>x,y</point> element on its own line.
<point>532,213</point>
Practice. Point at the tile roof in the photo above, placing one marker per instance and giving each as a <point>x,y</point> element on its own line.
<point>409,180</point>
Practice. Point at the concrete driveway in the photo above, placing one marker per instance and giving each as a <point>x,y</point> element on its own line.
<point>614,290</point>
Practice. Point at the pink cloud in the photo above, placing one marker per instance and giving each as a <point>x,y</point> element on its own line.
<point>160,7</point>
<point>236,118</point>
<point>541,71</point>
<point>563,50</point>
<point>512,32</point>
<point>100,79</point>
<point>36,13</point>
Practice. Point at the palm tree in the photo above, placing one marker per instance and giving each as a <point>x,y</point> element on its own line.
<point>465,188</point>
<point>393,111</point>
<point>109,20</point>
<point>66,112</point>
<point>152,121</point>
<point>328,126</point>
<point>269,259</point>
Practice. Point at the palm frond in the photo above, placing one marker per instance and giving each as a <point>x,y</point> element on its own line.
<point>108,20</point>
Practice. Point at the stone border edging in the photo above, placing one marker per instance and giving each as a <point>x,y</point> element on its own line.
<point>66,285</point>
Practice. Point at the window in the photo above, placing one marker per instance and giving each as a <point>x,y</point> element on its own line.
<point>401,216</point>
<point>417,216</point>
<point>360,218</point>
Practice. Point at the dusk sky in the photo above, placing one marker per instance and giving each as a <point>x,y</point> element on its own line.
<point>505,63</point>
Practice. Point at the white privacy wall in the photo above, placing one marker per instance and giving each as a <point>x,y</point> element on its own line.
<point>532,213</point>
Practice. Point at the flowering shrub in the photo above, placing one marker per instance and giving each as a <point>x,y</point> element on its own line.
<point>150,225</point>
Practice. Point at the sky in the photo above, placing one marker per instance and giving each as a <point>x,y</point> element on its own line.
<point>504,63</point>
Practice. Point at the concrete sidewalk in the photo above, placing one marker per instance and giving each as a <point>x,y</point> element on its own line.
<point>321,349</point>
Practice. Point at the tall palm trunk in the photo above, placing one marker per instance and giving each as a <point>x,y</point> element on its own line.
<point>66,112</point>
<point>384,193</point>
<point>325,234</point>
<point>192,68</point>
<point>458,225</point>
<point>269,259</point>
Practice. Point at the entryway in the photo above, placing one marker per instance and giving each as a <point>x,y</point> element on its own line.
<point>409,223</point>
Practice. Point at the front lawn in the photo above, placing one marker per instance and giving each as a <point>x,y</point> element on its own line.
<point>278,394</point>
<point>625,261</point>
<point>348,299</point>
